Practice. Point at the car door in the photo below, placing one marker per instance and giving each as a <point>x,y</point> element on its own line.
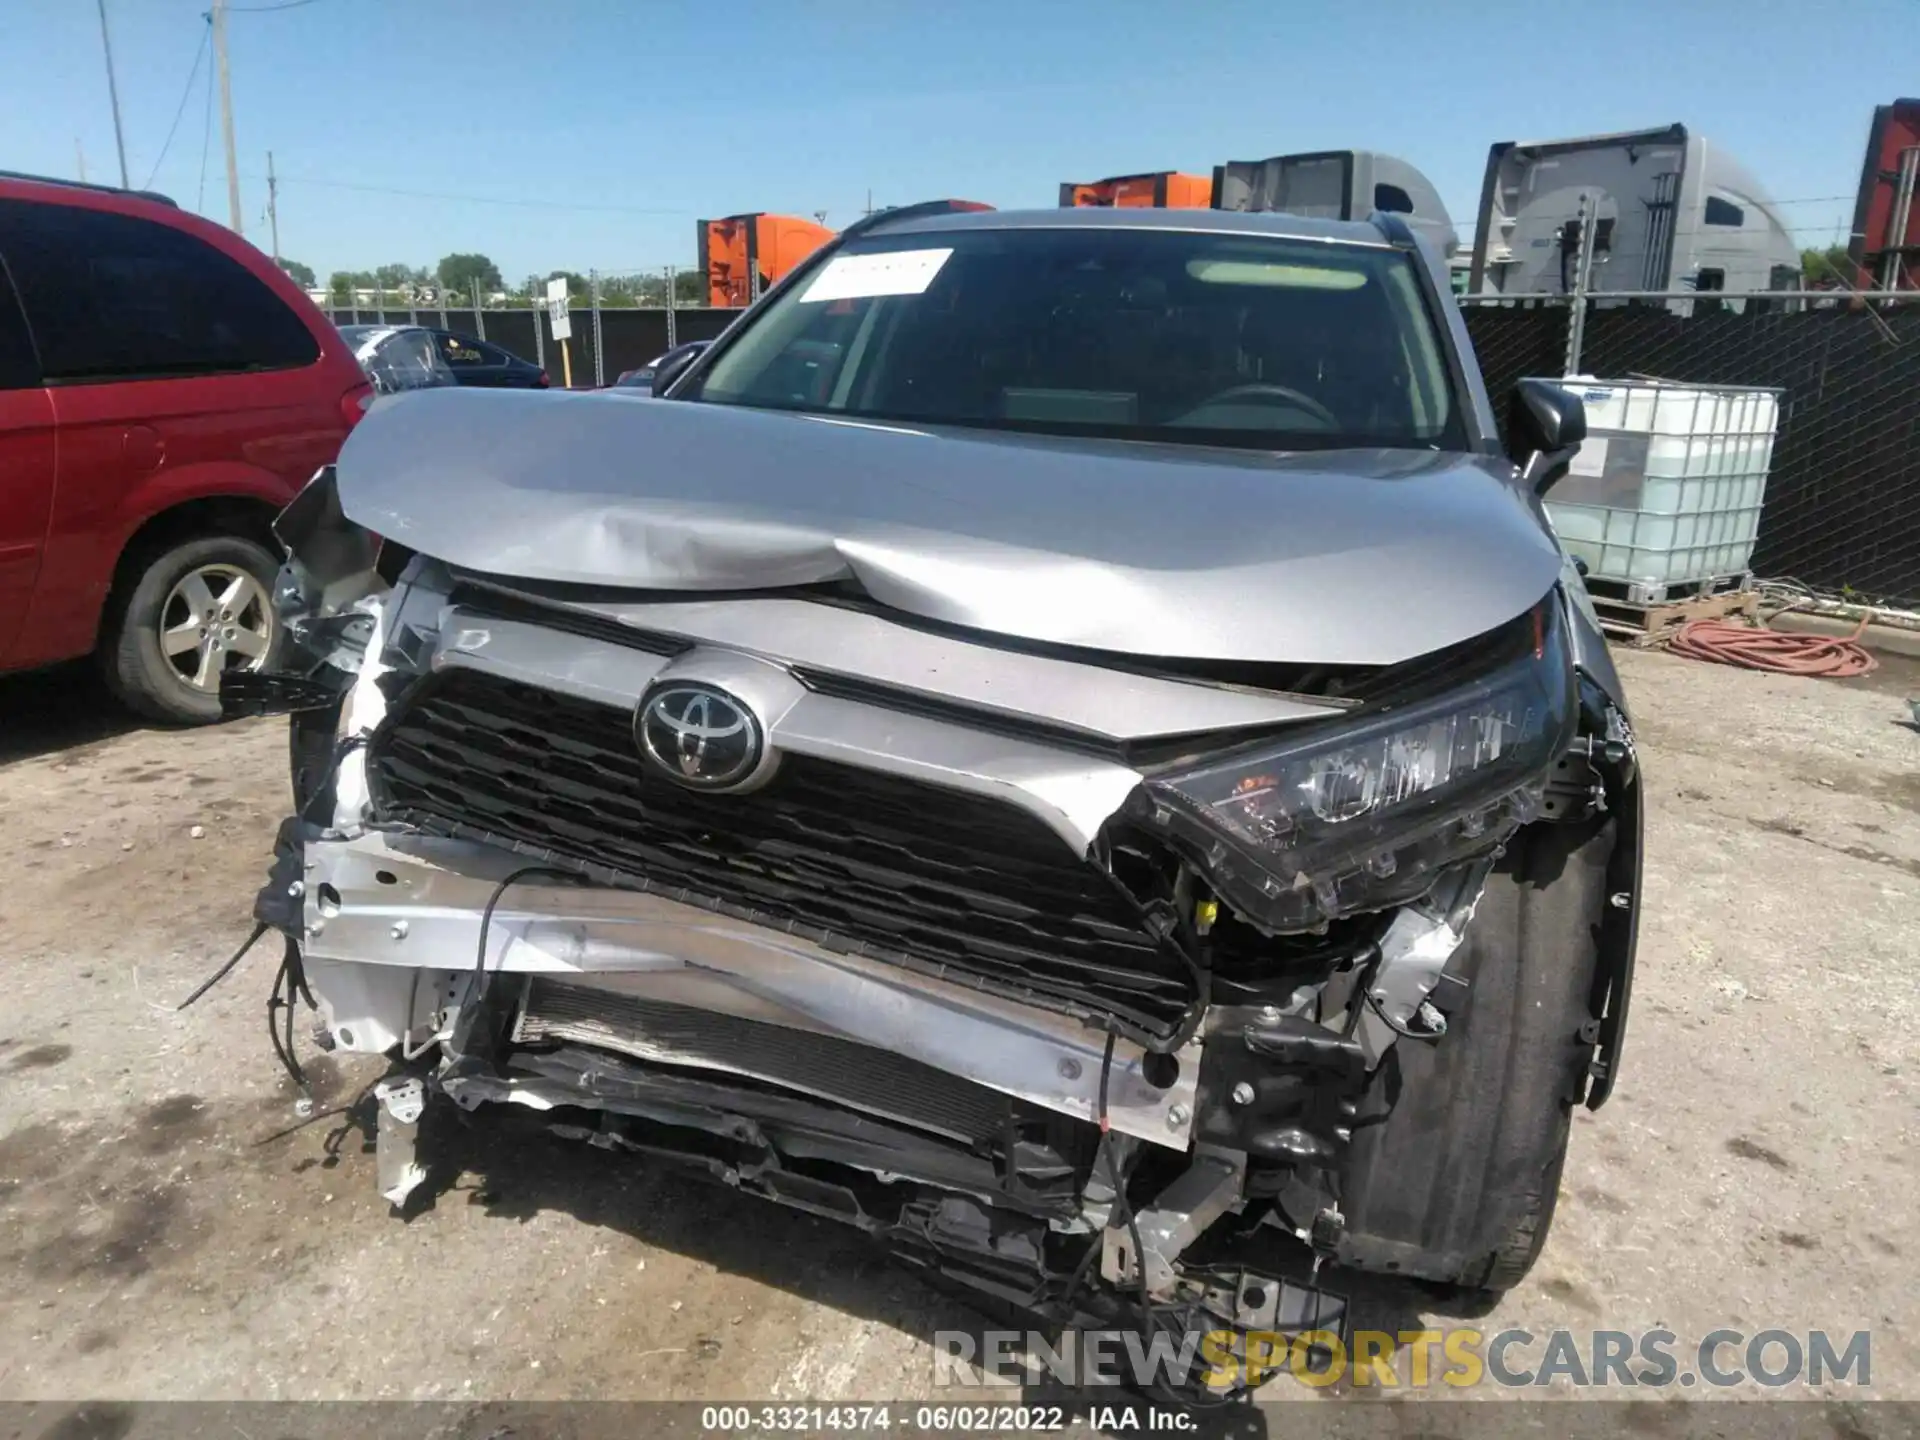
<point>514,371</point>
<point>473,362</point>
<point>27,457</point>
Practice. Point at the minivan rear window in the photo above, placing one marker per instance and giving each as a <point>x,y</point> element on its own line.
<point>116,297</point>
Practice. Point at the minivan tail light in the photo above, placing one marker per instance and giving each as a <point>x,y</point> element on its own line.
<point>355,403</point>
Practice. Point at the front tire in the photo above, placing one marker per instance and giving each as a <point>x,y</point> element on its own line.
<point>196,609</point>
<point>1456,1160</point>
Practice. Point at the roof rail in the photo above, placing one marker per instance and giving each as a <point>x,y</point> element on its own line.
<point>153,195</point>
<point>1393,225</point>
<point>910,212</point>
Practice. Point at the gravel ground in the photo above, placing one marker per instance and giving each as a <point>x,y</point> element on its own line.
<point>168,1230</point>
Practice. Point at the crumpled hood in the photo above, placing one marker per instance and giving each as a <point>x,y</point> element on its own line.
<point>1347,558</point>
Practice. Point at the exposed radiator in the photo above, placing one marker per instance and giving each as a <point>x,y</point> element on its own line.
<point>877,1082</point>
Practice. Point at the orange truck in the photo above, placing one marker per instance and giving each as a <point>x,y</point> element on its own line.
<point>1161,189</point>
<point>743,254</point>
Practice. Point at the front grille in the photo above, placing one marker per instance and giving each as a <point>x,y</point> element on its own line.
<point>949,884</point>
<point>859,1076</point>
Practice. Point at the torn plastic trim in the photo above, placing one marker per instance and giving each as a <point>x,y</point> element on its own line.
<point>1619,939</point>
<point>1414,952</point>
<point>1614,759</point>
<point>428,914</point>
<point>330,571</point>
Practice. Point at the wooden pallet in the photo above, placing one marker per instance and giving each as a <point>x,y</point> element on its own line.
<point>1647,626</point>
<point>1622,591</point>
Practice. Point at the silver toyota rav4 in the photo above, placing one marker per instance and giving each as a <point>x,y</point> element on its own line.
<point>1063,740</point>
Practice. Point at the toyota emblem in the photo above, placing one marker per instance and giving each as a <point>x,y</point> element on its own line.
<point>699,735</point>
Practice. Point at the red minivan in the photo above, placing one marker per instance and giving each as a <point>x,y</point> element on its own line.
<point>164,390</point>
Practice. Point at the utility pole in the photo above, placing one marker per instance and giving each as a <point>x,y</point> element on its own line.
<point>273,207</point>
<point>226,114</point>
<point>113,91</point>
<point>80,155</point>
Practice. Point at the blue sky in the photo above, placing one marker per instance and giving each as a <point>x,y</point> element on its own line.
<point>614,124</point>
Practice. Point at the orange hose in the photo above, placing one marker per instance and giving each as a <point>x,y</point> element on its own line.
<point>1761,649</point>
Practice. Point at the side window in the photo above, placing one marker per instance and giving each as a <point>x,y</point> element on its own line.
<point>1724,212</point>
<point>463,353</point>
<point>19,366</point>
<point>116,297</point>
<point>1392,199</point>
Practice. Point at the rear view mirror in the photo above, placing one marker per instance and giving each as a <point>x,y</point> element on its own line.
<point>1545,426</point>
<point>675,363</point>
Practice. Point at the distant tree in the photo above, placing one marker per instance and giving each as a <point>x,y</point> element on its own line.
<point>649,290</point>
<point>689,288</point>
<point>460,272</point>
<point>1824,267</point>
<point>576,283</point>
<point>626,290</point>
<point>342,283</point>
<point>301,275</point>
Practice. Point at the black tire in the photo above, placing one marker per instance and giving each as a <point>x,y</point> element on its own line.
<point>1456,1162</point>
<point>131,657</point>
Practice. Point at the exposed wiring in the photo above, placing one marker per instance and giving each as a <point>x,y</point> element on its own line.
<point>1401,1030</point>
<point>287,975</point>
<point>226,969</point>
<point>486,919</point>
<point>186,94</point>
<point>1783,593</point>
<point>407,1052</point>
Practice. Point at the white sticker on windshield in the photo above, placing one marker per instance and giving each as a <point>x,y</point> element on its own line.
<point>855,277</point>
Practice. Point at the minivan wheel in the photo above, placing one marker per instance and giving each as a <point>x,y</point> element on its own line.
<point>198,609</point>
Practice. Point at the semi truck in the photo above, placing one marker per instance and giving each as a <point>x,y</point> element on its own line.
<point>1670,211</point>
<point>1337,185</point>
<point>1157,189</point>
<point>1885,244</point>
<point>742,255</point>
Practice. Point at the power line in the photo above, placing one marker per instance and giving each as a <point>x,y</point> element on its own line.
<point>181,109</point>
<point>266,9</point>
<point>467,199</point>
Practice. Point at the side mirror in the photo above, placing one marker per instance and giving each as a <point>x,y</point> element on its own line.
<point>675,363</point>
<point>1545,426</point>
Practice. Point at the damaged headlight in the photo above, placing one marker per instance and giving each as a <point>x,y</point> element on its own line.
<point>1361,814</point>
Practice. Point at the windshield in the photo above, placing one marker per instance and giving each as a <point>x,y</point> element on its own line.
<point>1142,334</point>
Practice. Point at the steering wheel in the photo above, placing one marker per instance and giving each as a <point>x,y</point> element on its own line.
<point>1267,392</point>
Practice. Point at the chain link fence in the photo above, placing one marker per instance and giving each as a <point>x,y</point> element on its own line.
<point>621,320</point>
<point>1842,506</point>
